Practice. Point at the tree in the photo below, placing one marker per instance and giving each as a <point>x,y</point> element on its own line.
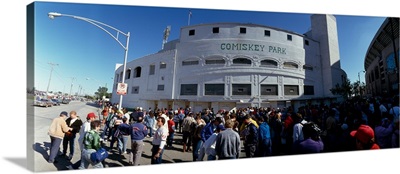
<point>345,90</point>
<point>102,91</point>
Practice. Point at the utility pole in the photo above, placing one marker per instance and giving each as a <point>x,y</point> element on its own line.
<point>51,72</point>
<point>70,90</point>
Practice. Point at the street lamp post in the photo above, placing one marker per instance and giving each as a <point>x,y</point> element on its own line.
<point>101,25</point>
<point>359,81</point>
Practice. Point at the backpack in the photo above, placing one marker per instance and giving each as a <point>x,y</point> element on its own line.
<point>99,156</point>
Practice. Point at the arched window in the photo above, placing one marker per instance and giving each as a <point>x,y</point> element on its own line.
<point>308,67</point>
<point>241,61</point>
<point>137,72</point>
<point>190,62</point>
<point>269,63</point>
<point>290,65</point>
<point>128,74</point>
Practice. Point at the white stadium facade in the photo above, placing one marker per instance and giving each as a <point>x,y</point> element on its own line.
<point>227,65</point>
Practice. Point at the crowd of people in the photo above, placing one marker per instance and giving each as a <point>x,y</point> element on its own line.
<point>351,125</point>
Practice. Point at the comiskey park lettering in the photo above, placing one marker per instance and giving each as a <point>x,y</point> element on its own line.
<point>252,47</point>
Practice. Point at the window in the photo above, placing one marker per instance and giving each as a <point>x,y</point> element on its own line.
<point>308,90</point>
<point>242,61</point>
<point>191,32</point>
<point>152,69</point>
<point>242,30</point>
<point>290,65</point>
<point>267,33</point>
<point>307,67</point>
<point>137,72</point>
<point>241,89</point>
<point>128,74</point>
<point>269,63</point>
<point>306,42</point>
<point>215,30</point>
<point>163,65</point>
<point>120,75</point>
<point>188,89</point>
<point>117,77</point>
<point>215,61</point>
<point>160,88</point>
<point>135,90</point>
<point>214,89</point>
<point>269,90</point>
<point>190,62</point>
<point>289,37</point>
<point>291,90</point>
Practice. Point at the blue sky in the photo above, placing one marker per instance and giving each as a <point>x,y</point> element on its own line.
<point>88,55</point>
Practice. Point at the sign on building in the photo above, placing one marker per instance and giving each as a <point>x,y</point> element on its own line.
<point>121,89</point>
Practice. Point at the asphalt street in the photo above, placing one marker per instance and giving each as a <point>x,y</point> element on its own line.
<point>42,118</point>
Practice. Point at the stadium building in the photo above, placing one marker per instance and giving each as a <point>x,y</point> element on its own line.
<point>382,60</point>
<point>227,65</point>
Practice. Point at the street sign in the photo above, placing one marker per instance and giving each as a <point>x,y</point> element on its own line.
<point>121,89</point>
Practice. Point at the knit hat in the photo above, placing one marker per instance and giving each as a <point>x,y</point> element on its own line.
<point>364,133</point>
<point>64,113</point>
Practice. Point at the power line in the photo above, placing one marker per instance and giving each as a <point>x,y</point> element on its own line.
<point>51,72</point>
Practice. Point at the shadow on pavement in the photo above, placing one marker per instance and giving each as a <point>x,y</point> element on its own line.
<point>62,162</point>
<point>21,162</point>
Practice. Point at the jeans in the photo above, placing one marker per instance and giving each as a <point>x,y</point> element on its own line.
<point>154,151</point>
<point>124,139</point>
<point>150,131</point>
<point>250,150</point>
<point>54,148</point>
<point>86,160</point>
<point>136,152</point>
<point>265,148</point>
<point>69,140</point>
<point>196,147</point>
<point>170,138</point>
<point>211,157</point>
<point>105,129</point>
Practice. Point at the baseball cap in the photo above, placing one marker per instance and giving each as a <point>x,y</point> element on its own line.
<point>119,112</point>
<point>364,133</point>
<point>64,113</point>
<point>91,115</point>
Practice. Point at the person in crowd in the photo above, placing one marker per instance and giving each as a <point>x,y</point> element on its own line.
<point>114,123</point>
<point>210,128</point>
<point>176,120</point>
<point>186,131</point>
<point>91,145</point>
<point>384,132</point>
<point>171,129</point>
<point>331,130</point>
<point>74,122</point>
<point>250,136</point>
<point>122,134</point>
<point>276,126</point>
<point>150,122</point>
<point>126,114</point>
<point>181,115</point>
<point>85,128</point>
<point>57,131</point>
<point>159,141</point>
<point>287,133</point>
<point>209,145</point>
<point>197,128</point>
<point>227,144</point>
<point>105,121</point>
<point>138,132</point>
<point>365,138</point>
<point>298,135</point>
<point>264,138</point>
<point>395,109</point>
<point>312,141</point>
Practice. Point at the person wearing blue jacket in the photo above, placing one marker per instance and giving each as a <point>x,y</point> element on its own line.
<point>264,138</point>
<point>250,135</point>
<point>210,128</point>
<point>138,133</point>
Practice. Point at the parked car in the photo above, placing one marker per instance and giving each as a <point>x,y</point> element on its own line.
<point>66,101</point>
<point>56,102</point>
<point>43,102</point>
